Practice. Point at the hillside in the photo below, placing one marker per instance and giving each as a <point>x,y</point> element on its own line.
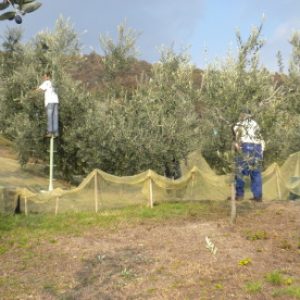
<point>89,70</point>
<point>33,176</point>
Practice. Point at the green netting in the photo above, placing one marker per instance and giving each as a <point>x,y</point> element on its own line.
<point>100,190</point>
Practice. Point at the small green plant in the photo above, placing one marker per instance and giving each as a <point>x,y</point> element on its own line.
<point>253,287</point>
<point>151,291</point>
<point>246,261</point>
<point>52,241</point>
<point>127,274</point>
<point>258,235</point>
<point>219,286</point>
<point>275,278</point>
<point>291,291</point>
<point>50,288</point>
<point>3,249</point>
<point>288,281</point>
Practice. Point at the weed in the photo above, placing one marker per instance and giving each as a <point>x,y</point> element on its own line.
<point>50,288</point>
<point>127,274</point>
<point>160,270</point>
<point>253,287</point>
<point>151,291</point>
<point>275,278</point>
<point>245,261</point>
<point>23,242</point>
<point>291,291</point>
<point>279,212</point>
<point>3,249</point>
<point>288,281</point>
<point>219,286</point>
<point>53,241</point>
<point>258,235</point>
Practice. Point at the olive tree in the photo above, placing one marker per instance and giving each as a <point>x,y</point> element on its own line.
<point>153,126</point>
<point>11,59</point>
<point>229,87</point>
<point>292,95</point>
<point>236,83</point>
<point>24,107</point>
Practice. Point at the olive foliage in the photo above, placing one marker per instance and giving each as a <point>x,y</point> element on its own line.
<point>155,125</point>
<point>243,82</point>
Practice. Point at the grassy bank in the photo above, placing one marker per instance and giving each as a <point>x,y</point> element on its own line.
<point>22,231</point>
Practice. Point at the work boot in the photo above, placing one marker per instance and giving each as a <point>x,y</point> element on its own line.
<point>237,198</point>
<point>257,199</point>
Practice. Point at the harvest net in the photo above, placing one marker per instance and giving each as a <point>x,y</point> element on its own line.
<point>100,190</point>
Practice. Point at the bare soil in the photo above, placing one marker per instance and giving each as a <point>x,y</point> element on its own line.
<point>168,260</point>
<point>165,260</point>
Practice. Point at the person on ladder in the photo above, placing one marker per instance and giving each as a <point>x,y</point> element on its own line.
<point>51,105</point>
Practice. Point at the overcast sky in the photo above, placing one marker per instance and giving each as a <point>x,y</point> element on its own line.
<point>205,27</point>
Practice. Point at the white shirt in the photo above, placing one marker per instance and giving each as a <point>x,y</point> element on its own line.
<point>50,95</point>
<point>248,131</point>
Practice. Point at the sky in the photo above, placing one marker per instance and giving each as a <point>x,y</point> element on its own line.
<point>204,28</point>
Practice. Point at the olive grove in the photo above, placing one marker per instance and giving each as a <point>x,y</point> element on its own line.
<point>153,126</point>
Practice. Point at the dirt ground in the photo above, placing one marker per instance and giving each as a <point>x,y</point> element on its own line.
<point>165,260</point>
<point>168,260</point>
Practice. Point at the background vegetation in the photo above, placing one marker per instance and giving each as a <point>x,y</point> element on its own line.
<point>123,115</point>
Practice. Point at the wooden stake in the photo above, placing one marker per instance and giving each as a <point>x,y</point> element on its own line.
<point>51,164</point>
<point>150,193</point>
<point>96,191</point>
<point>278,185</point>
<point>233,204</point>
<point>26,211</point>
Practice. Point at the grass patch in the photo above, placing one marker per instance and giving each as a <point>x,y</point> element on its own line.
<point>20,231</point>
<point>253,287</point>
<point>127,274</point>
<point>257,235</point>
<point>67,222</point>
<point>291,291</point>
<point>275,278</point>
<point>3,249</point>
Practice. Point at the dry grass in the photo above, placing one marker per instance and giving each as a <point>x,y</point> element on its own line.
<point>161,259</point>
<point>153,254</point>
